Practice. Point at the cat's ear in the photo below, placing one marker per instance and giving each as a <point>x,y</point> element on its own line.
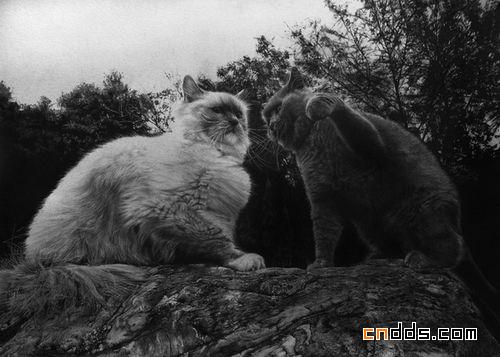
<point>190,89</point>
<point>295,80</point>
<point>243,94</point>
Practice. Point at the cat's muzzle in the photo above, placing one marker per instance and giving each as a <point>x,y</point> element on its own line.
<point>271,135</point>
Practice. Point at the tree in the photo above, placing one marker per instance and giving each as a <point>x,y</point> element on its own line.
<point>159,105</point>
<point>432,66</point>
<point>261,75</point>
<point>40,142</point>
<point>93,115</point>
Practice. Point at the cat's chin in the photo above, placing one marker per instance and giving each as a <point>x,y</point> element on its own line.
<point>234,146</point>
<point>231,139</point>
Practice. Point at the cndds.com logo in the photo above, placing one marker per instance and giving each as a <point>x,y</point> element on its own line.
<point>419,333</point>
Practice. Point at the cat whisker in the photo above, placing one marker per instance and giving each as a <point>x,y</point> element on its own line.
<point>197,131</point>
<point>265,145</point>
<point>257,130</point>
<point>262,142</point>
<point>258,161</point>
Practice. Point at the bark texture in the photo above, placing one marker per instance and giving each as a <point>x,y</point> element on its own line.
<point>201,311</point>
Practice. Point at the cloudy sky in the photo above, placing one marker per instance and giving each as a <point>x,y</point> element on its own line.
<point>49,46</point>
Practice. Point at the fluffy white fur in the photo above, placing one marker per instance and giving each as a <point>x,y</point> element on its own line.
<point>141,201</point>
<point>145,171</point>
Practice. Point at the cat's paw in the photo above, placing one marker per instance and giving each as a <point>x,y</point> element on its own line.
<point>417,261</point>
<point>247,262</point>
<point>319,263</point>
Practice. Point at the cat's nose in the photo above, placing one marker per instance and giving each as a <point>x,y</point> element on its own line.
<point>233,121</point>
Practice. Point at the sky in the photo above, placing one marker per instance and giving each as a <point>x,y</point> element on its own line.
<point>47,47</point>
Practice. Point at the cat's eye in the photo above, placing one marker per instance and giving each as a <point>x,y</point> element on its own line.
<point>278,108</point>
<point>217,110</point>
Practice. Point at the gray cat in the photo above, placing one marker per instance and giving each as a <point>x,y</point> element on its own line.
<point>140,201</point>
<point>361,168</point>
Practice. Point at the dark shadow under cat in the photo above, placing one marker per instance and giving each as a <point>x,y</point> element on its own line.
<point>275,222</point>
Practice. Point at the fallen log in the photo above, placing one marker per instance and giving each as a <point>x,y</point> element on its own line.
<point>209,311</point>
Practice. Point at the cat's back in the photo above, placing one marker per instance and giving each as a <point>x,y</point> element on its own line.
<point>114,163</point>
<point>92,191</point>
<point>122,181</point>
<point>411,169</point>
<point>398,139</point>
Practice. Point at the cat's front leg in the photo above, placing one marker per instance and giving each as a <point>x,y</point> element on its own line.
<point>219,251</point>
<point>204,242</point>
<point>246,262</point>
<point>327,228</point>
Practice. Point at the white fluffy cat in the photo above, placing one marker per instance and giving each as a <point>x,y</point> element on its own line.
<point>140,201</point>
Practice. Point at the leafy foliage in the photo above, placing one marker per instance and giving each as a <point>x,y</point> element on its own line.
<point>261,75</point>
<point>432,66</point>
<point>42,141</point>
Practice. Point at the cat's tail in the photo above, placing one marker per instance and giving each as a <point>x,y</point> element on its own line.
<point>31,288</point>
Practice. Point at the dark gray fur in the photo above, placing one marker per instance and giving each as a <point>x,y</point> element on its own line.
<point>361,168</point>
<point>367,170</point>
